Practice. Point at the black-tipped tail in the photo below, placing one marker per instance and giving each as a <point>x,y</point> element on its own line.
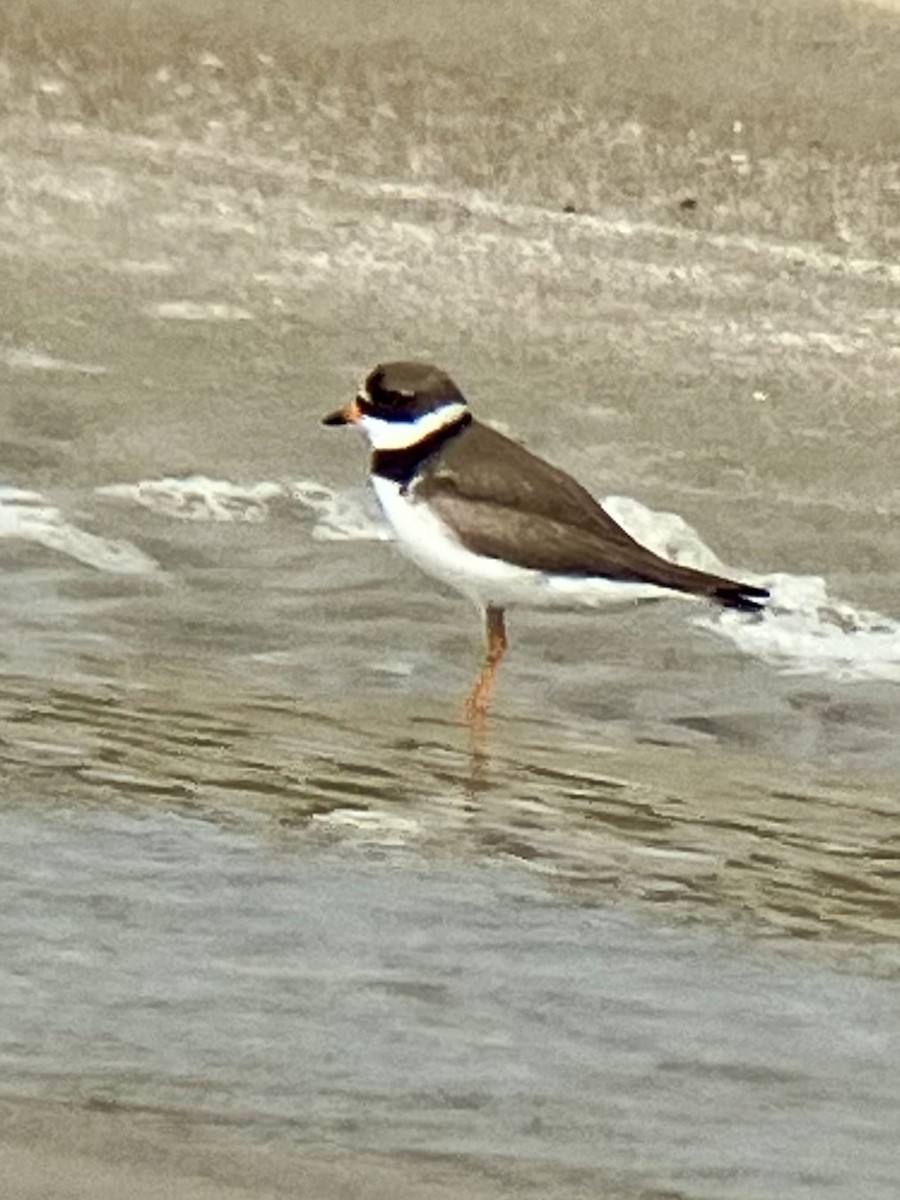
<point>742,596</point>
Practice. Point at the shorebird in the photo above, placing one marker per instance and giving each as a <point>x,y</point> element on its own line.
<point>481,513</point>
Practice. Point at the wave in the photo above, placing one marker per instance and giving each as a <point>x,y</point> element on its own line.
<point>804,631</point>
<point>30,517</point>
<point>338,517</point>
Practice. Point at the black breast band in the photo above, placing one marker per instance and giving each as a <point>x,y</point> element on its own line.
<point>402,465</point>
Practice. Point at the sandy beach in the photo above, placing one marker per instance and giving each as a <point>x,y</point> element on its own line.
<point>62,1153</point>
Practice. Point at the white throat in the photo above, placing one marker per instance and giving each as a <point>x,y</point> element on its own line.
<point>399,435</point>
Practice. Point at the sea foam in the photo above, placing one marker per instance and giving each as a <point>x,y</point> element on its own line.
<point>804,630</point>
<point>30,517</point>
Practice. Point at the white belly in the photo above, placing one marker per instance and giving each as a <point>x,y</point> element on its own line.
<point>428,542</point>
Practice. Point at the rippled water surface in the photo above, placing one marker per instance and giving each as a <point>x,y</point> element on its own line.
<point>392,1000</point>
<point>644,935</point>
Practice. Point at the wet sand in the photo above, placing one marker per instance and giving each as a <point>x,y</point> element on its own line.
<point>61,1153</point>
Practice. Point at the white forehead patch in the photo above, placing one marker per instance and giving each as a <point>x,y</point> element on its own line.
<point>398,435</point>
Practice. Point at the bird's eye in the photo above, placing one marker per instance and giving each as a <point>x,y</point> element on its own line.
<point>363,402</point>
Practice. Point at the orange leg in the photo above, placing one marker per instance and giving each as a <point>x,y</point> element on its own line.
<point>478,702</point>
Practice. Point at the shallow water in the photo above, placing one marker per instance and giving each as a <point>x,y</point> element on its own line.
<point>387,999</point>
<point>255,871</point>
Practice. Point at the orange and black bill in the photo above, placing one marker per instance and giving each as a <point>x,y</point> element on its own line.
<point>348,415</point>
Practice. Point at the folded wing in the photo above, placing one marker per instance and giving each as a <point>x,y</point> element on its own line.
<point>504,502</point>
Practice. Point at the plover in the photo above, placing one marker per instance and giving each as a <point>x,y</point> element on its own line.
<point>481,513</point>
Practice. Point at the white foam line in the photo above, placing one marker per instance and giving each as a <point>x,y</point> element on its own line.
<point>26,358</point>
<point>342,517</point>
<point>804,631</point>
<point>28,517</point>
<point>194,310</point>
<point>198,498</point>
